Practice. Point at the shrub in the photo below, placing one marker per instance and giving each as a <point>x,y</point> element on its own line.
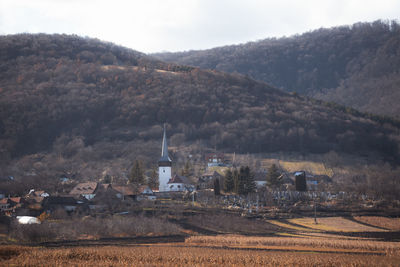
<point>32,232</point>
<point>114,226</point>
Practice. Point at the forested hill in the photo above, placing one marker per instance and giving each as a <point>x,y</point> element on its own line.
<point>357,66</point>
<point>75,95</point>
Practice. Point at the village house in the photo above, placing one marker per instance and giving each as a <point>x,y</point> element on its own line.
<point>179,184</point>
<point>87,190</point>
<point>4,204</point>
<point>65,180</point>
<point>34,202</point>
<point>10,204</point>
<point>211,175</point>
<point>105,200</point>
<point>124,191</point>
<point>145,192</point>
<point>215,159</point>
<point>260,178</point>
<point>206,180</point>
<point>132,192</point>
<point>67,203</point>
<point>38,193</point>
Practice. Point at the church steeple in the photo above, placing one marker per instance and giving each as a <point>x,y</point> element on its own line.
<point>164,165</point>
<point>164,150</point>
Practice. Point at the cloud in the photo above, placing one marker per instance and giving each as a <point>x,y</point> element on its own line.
<point>154,25</point>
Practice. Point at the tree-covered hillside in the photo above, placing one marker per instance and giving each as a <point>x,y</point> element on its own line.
<point>70,95</point>
<point>356,65</point>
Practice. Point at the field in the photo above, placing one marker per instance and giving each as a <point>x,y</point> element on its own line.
<point>336,224</point>
<point>382,222</point>
<point>309,166</point>
<point>212,251</point>
<point>334,241</point>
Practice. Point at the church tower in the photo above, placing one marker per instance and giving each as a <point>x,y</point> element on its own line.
<point>164,166</point>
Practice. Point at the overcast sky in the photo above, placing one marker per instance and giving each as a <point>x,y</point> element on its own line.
<point>178,25</point>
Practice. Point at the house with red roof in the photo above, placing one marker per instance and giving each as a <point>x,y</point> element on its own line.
<point>88,190</point>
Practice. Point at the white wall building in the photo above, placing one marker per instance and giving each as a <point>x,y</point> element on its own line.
<point>179,184</point>
<point>164,166</point>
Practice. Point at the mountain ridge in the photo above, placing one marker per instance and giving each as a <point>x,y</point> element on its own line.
<point>355,65</point>
<point>84,101</point>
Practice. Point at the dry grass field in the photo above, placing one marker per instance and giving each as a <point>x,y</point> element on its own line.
<point>292,166</point>
<point>221,252</point>
<point>335,224</point>
<point>306,243</point>
<point>383,222</point>
<point>309,166</point>
<point>319,245</point>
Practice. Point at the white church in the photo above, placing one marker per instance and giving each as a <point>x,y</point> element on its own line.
<point>167,182</point>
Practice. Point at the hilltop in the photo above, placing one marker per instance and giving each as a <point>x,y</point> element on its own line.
<point>90,103</point>
<point>356,66</point>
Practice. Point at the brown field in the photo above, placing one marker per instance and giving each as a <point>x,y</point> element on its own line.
<point>336,224</point>
<point>383,222</point>
<point>173,255</point>
<point>309,243</point>
<point>223,250</point>
<point>293,242</point>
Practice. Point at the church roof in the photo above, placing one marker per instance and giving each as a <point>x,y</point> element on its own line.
<point>164,150</point>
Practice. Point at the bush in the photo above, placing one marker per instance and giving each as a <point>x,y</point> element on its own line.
<point>89,227</point>
<point>32,232</point>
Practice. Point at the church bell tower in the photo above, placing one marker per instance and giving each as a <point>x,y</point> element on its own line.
<point>164,166</point>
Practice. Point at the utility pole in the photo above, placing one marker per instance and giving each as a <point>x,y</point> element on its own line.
<point>315,211</point>
<point>257,202</point>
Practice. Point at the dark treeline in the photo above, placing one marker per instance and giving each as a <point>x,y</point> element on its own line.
<point>57,87</point>
<point>356,65</point>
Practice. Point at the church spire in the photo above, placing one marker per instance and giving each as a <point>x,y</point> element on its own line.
<point>164,149</point>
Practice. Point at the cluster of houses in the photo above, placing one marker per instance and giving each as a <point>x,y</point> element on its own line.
<point>88,195</point>
<point>95,196</point>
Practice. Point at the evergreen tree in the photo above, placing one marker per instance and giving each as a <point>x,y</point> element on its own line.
<point>246,182</point>
<point>153,180</point>
<point>272,176</point>
<point>229,184</point>
<point>235,175</point>
<point>216,187</point>
<point>136,176</point>
<point>242,177</point>
<point>250,183</point>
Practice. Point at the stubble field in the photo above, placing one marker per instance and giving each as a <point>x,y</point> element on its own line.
<point>314,247</point>
<point>222,250</point>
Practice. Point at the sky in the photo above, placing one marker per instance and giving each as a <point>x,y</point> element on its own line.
<point>180,25</point>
